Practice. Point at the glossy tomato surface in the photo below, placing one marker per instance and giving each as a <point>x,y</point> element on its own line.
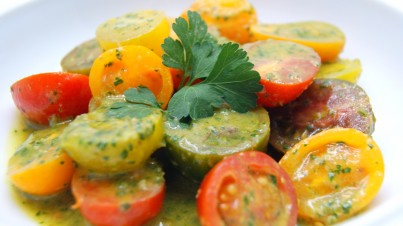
<point>51,97</point>
<point>248,188</point>
<point>121,200</point>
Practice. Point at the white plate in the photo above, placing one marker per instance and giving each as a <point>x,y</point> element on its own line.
<point>35,36</point>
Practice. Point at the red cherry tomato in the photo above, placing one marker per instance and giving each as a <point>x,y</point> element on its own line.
<point>247,188</point>
<point>286,69</point>
<point>47,97</point>
<point>122,200</point>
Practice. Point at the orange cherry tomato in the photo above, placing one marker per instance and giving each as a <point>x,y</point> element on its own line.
<point>232,18</point>
<point>125,67</point>
<point>39,166</point>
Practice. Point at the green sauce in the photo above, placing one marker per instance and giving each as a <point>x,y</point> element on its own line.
<point>179,206</point>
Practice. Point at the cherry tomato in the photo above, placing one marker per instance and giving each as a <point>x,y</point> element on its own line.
<point>125,67</point>
<point>327,103</point>
<point>39,166</point>
<point>146,28</point>
<point>121,200</point>
<point>247,188</point>
<point>51,97</point>
<point>336,173</point>
<point>286,69</point>
<point>326,39</point>
<point>233,18</point>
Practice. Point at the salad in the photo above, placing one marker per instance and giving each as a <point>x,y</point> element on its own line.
<point>151,111</point>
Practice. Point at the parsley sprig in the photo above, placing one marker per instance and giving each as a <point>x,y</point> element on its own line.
<point>228,75</point>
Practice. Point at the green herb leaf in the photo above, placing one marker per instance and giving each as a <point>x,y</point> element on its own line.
<point>228,75</point>
<point>174,55</point>
<point>194,101</point>
<point>233,76</point>
<point>125,109</point>
<point>139,103</point>
<point>141,95</point>
<point>204,59</point>
<point>179,54</point>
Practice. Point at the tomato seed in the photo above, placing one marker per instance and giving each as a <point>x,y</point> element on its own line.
<point>223,206</point>
<point>224,197</point>
<point>262,180</point>
<point>231,189</point>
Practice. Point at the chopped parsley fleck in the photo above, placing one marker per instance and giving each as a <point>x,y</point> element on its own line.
<point>109,64</point>
<point>118,81</point>
<point>273,179</point>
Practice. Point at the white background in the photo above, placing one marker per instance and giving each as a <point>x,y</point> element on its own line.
<point>380,59</point>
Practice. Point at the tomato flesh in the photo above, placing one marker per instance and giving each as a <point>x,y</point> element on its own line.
<point>327,103</point>
<point>51,97</point>
<point>248,188</point>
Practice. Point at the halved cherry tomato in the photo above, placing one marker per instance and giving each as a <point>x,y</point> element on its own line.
<point>286,69</point>
<point>40,166</point>
<point>51,97</point>
<point>125,67</point>
<point>80,59</point>
<point>336,173</point>
<point>121,200</point>
<point>327,103</point>
<point>233,18</point>
<point>326,39</point>
<point>247,188</point>
<point>147,28</point>
<point>345,69</point>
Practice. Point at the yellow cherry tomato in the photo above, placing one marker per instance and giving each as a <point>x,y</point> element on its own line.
<point>349,70</point>
<point>147,28</point>
<point>326,39</point>
<point>336,173</point>
<point>125,67</point>
<point>105,144</point>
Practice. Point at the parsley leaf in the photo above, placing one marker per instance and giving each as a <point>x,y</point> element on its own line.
<point>180,54</point>
<point>141,95</point>
<point>228,75</point>
<point>139,103</point>
<point>233,76</point>
<point>125,109</point>
<point>194,101</point>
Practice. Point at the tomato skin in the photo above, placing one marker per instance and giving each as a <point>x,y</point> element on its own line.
<point>60,96</point>
<point>237,169</point>
<point>109,214</point>
<point>114,200</point>
<point>278,94</point>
